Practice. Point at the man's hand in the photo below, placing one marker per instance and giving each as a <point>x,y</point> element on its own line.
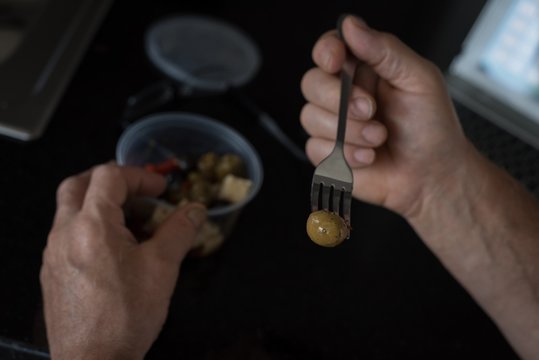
<point>409,154</point>
<point>105,295</point>
<point>403,137</point>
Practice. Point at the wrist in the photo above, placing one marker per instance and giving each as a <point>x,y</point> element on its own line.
<point>458,193</point>
<point>94,351</point>
<point>93,354</point>
<point>483,227</point>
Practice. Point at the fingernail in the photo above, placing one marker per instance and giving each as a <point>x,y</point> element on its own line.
<point>359,22</point>
<point>364,156</point>
<point>197,215</point>
<point>327,58</point>
<point>374,134</point>
<point>363,107</point>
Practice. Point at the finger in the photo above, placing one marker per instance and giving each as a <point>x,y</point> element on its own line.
<point>321,123</point>
<point>328,52</point>
<point>324,90</point>
<point>366,78</point>
<point>318,149</point>
<point>391,59</point>
<point>70,196</point>
<point>369,182</point>
<point>111,184</point>
<point>329,55</point>
<point>176,235</point>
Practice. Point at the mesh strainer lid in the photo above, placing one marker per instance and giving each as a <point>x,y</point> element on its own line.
<point>202,52</point>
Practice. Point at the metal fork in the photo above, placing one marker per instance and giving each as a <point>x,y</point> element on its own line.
<point>332,184</point>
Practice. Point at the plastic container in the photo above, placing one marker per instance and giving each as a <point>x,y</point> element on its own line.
<point>202,53</point>
<point>189,134</point>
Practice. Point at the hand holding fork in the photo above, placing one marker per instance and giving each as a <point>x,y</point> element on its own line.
<point>332,183</point>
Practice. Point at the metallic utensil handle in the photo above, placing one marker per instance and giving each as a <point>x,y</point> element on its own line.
<point>348,73</point>
<point>347,81</point>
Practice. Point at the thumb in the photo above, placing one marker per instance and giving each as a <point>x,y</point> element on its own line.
<point>176,235</point>
<point>390,58</point>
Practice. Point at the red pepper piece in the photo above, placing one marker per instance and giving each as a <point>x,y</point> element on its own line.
<point>163,167</point>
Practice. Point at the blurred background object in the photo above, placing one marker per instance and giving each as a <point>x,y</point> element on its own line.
<point>497,72</point>
<point>41,44</point>
<point>201,55</point>
<point>494,81</point>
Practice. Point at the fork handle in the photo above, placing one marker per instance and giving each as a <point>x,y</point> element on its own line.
<point>348,72</point>
<point>347,80</point>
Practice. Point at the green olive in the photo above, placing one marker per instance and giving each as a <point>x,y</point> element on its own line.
<point>229,164</point>
<point>194,176</point>
<point>327,228</point>
<point>206,164</point>
<point>201,191</point>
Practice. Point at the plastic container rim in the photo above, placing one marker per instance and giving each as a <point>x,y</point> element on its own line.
<point>194,121</point>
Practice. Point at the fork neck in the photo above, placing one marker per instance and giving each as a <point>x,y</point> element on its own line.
<point>347,81</point>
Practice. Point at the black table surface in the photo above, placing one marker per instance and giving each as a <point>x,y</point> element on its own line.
<point>269,292</point>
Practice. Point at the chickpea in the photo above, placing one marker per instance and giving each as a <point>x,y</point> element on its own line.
<point>207,163</point>
<point>201,191</point>
<point>229,164</point>
<point>194,176</point>
<point>327,228</point>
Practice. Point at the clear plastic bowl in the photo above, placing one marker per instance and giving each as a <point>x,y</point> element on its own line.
<point>189,134</point>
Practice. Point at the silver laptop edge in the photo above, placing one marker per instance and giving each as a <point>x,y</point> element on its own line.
<point>469,85</point>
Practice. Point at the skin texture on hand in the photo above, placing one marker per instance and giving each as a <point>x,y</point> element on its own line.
<point>105,295</point>
<point>402,131</point>
<point>408,153</point>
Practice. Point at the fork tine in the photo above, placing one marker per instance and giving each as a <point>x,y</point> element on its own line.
<point>326,194</point>
<point>337,193</point>
<point>347,204</point>
<point>315,195</point>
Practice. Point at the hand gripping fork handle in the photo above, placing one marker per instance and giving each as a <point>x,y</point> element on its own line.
<point>332,182</point>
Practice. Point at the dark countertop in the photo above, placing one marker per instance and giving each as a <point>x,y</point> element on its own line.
<point>269,293</point>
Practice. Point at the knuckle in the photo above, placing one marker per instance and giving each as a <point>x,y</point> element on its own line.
<point>49,263</point>
<point>432,77</point>
<point>43,275</point>
<point>46,257</point>
<point>392,63</point>
<point>86,241</point>
<point>433,70</point>
<point>106,170</point>
<point>304,115</point>
<point>67,187</point>
<point>390,57</point>
<point>75,246</point>
<point>50,258</point>
<point>355,133</point>
<point>305,80</point>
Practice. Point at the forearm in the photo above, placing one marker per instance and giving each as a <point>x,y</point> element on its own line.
<point>93,349</point>
<point>91,355</point>
<point>484,227</point>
